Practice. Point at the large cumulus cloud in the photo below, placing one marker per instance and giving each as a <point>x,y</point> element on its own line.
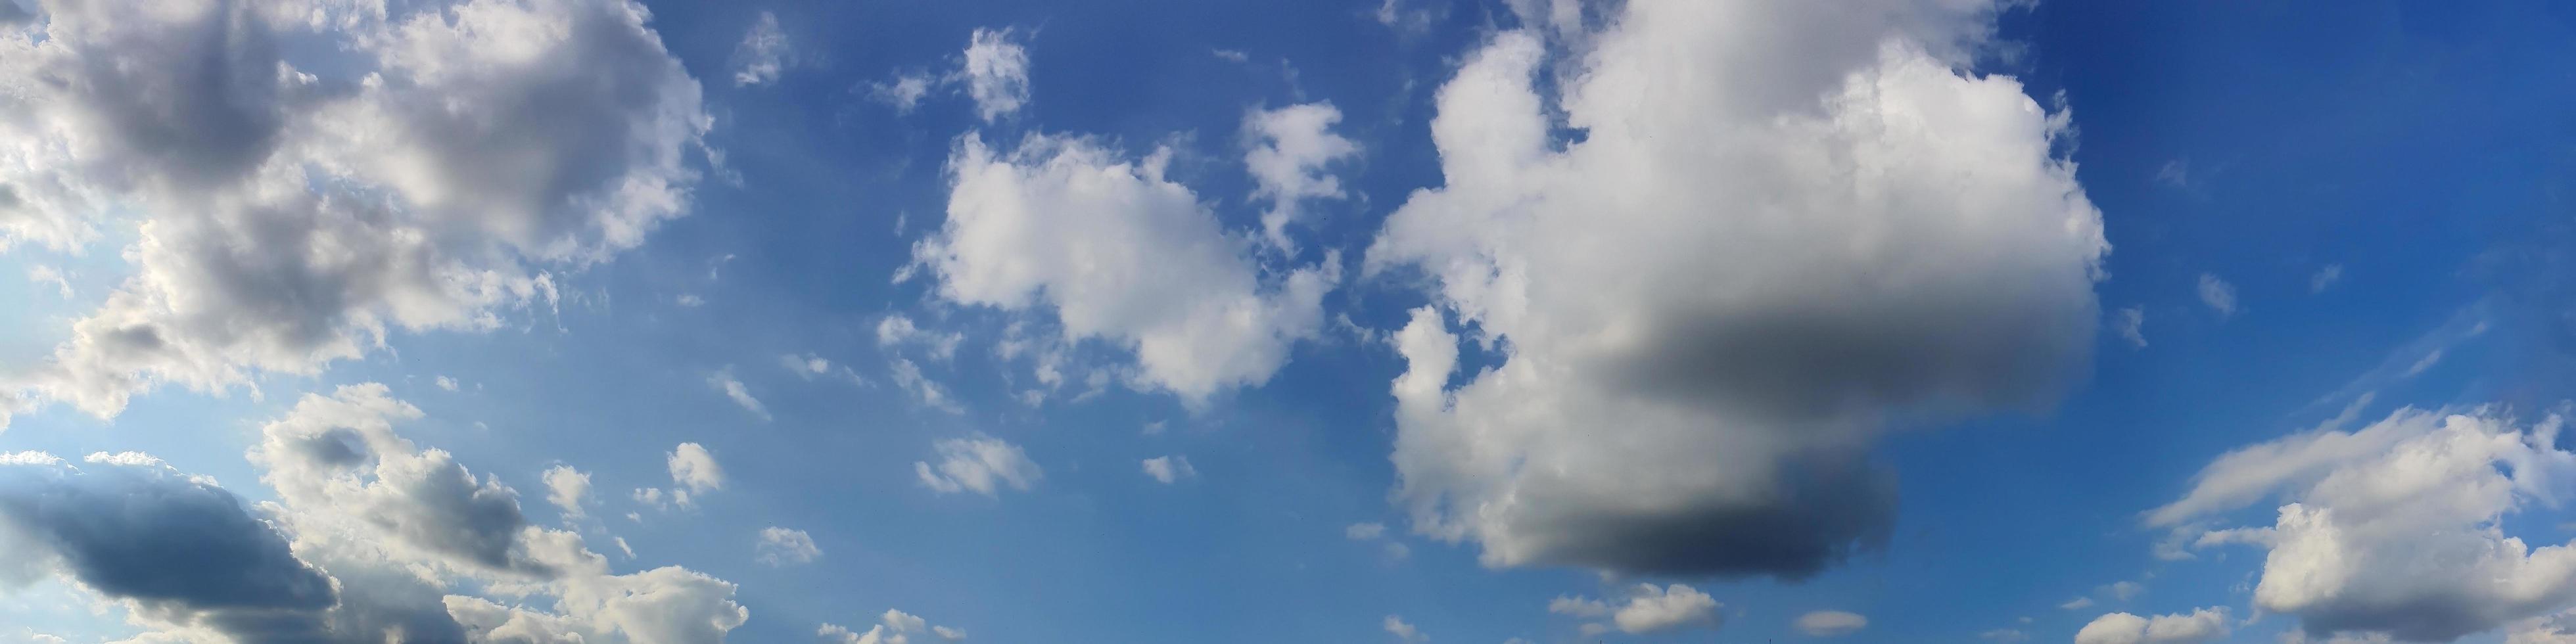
<point>1779,227</point>
<point>425,169</point>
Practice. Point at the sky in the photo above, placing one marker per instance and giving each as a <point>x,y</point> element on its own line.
<point>1403,321</point>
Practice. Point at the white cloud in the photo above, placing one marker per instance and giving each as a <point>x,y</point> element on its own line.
<point>1831,623</point>
<point>908,377</point>
<point>904,93</point>
<point>897,330</point>
<point>2078,603</point>
<point>780,546</point>
<point>42,275</point>
<point>1744,276</point>
<point>2122,591</point>
<point>2122,628</point>
<point>2325,278</point>
<point>298,204</point>
<point>894,627</point>
<point>2131,324</point>
<point>689,300</point>
<point>2397,529</point>
<point>2218,295</point>
<point>722,380</point>
<point>446,383</point>
<point>1364,531</point>
<point>762,54</point>
<point>2004,636</point>
<point>996,73</point>
<point>1286,150</point>
<point>1166,469</point>
<point>1404,632</point>
<point>693,467</point>
<point>1647,609</point>
<point>981,464</point>
<point>566,488</point>
<point>1122,255</point>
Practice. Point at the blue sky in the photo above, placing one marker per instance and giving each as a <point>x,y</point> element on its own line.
<point>1915,321</point>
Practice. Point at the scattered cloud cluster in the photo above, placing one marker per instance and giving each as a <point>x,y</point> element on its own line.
<point>894,627</point>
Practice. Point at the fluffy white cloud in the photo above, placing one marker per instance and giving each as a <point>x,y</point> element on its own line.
<point>2122,628</point>
<point>1404,631</point>
<point>1122,255</point>
<point>762,54</point>
<point>894,627</point>
<point>780,546</point>
<point>1286,150</point>
<point>412,167</point>
<point>724,382</point>
<point>693,467</point>
<point>1831,623</point>
<point>1166,469</point>
<point>567,488</point>
<point>1765,244</point>
<point>2397,529</point>
<point>2218,295</point>
<point>1647,609</point>
<point>981,464</point>
<point>996,73</point>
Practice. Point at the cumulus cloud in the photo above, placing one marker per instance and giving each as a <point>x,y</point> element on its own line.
<point>1286,150</point>
<point>981,464</point>
<point>1831,623</point>
<point>996,73</point>
<point>1121,255</point>
<point>1741,280</point>
<point>780,546</point>
<point>1647,609</point>
<point>414,167</point>
<point>2218,295</point>
<point>762,54</point>
<point>567,488</point>
<point>2397,529</point>
<point>724,382</point>
<point>894,627</point>
<point>1404,631</point>
<point>2122,628</point>
<point>695,468</point>
<point>1166,469</point>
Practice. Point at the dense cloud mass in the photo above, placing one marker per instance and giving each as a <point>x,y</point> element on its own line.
<point>421,172</point>
<point>1784,225</point>
<point>2397,529</point>
<point>1120,254</point>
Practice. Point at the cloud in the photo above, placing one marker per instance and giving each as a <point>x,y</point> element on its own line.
<point>1744,278</point>
<point>2398,529</point>
<point>1286,150</point>
<point>2004,636</point>
<point>1166,469</point>
<point>1647,609</point>
<point>446,383</point>
<point>2218,295</point>
<point>894,627</point>
<point>908,377</point>
<point>2122,628</point>
<point>2325,278</point>
<point>981,464</point>
<point>904,93</point>
<point>1122,255</point>
<point>41,275</point>
<point>175,546</point>
<point>723,381</point>
<point>1404,632</point>
<point>2078,603</point>
<point>780,546</point>
<point>762,54</point>
<point>693,467</point>
<point>567,488</point>
<point>340,454</point>
<point>895,331</point>
<point>1364,531</point>
<point>2131,323</point>
<point>996,73</point>
<point>1831,623</point>
<point>405,169</point>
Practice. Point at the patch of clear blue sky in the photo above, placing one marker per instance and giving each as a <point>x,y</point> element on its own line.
<point>2423,147</point>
